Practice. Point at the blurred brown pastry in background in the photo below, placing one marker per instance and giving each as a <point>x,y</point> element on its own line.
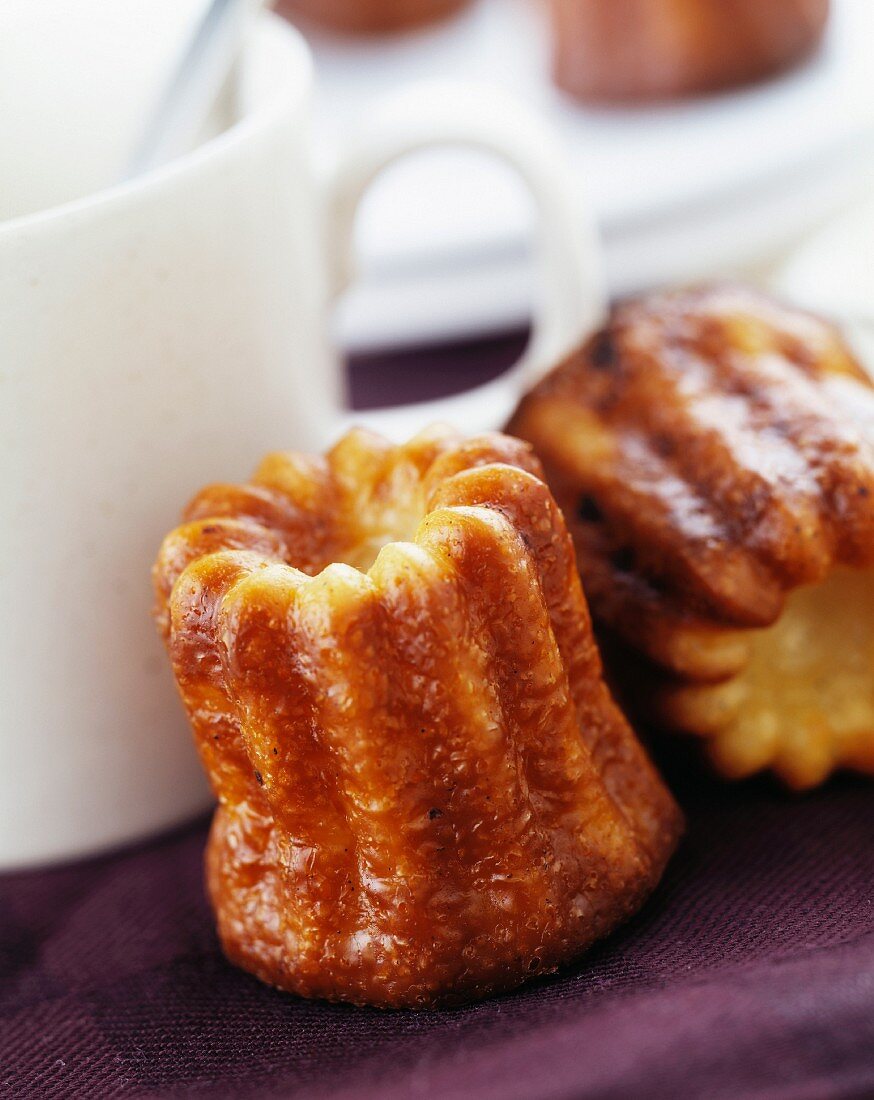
<point>639,50</point>
<point>713,452</point>
<point>370,16</point>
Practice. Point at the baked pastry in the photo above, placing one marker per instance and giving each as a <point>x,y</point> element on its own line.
<point>713,452</point>
<point>426,793</point>
<point>371,16</point>
<point>616,50</point>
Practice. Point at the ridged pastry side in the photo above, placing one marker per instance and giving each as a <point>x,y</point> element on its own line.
<point>426,793</point>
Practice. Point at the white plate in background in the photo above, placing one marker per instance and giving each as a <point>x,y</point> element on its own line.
<point>712,186</point>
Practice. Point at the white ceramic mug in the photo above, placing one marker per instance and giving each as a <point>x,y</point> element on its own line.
<point>164,334</point>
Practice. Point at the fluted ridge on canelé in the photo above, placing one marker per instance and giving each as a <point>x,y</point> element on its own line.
<point>425,790</point>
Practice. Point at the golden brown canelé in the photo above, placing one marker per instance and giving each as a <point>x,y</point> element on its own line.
<point>426,793</point>
<point>713,452</point>
<point>639,50</point>
<point>370,16</point>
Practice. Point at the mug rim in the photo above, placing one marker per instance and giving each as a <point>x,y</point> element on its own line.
<point>295,77</point>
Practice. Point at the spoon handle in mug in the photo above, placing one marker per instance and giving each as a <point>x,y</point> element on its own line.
<point>196,81</point>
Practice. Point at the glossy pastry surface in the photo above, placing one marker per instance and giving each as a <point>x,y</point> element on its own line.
<point>426,793</point>
<point>714,454</point>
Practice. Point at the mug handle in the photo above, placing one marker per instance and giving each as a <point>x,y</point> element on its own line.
<point>572,300</point>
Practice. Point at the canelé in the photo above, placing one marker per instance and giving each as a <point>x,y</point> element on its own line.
<point>370,16</point>
<point>639,50</point>
<point>713,452</point>
<point>426,792</point>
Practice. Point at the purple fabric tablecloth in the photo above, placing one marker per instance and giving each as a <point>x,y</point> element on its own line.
<point>749,974</point>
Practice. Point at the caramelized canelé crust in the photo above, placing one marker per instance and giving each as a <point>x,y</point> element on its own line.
<point>426,793</point>
<point>713,452</point>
